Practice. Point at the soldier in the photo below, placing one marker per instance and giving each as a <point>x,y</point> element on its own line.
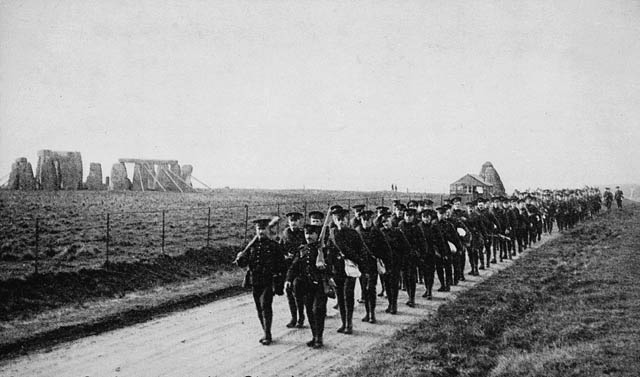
<point>344,243</point>
<point>510,225</point>
<point>608,198</point>
<point>452,237</point>
<point>265,260</point>
<point>618,196</point>
<point>431,253</point>
<point>311,282</point>
<point>316,218</point>
<point>399,250</point>
<point>292,238</point>
<point>412,233</point>
<point>499,244</point>
<point>443,264</point>
<point>398,213</point>
<point>377,248</point>
<point>474,223</point>
<point>357,212</point>
<point>491,225</point>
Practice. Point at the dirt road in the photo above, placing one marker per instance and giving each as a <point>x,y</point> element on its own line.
<point>221,339</point>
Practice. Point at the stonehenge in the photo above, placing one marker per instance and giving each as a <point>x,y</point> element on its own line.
<point>61,170</point>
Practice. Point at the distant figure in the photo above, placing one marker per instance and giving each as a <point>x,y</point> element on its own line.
<point>608,198</point>
<point>619,195</point>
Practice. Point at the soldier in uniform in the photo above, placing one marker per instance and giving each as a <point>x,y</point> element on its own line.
<point>265,260</point>
<point>376,248</point>
<point>499,244</point>
<point>491,225</point>
<point>316,218</point>
<point>412,233</point>
<point>431,253</point>
<point>292,238</point>
<point>399,250</point>
<point>357,212</point>
<point>608,198</point>
<point>443,264</point>
<point>310,282</point>
<point>618,196</point>
<point>452,237</point>
<point>344,243</point>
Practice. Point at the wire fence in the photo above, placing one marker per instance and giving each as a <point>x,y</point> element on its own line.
<point>64,243</point>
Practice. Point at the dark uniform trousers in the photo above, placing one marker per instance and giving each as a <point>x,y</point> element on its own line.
<point>263,298</point>
<point>392,283</point>
<point>345,286</point>
<point>410,276</point>
<point>429,268</point>
<point>295,300</point>
<point>368,282</point>
<point>315,302</point>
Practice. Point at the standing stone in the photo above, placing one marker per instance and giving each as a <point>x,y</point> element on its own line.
<point>70,170</point>
<point>490,175</point>
<point>47,177</point>
<point>106,181</point>
<point>119,179</point>
<point>185,172</point>
<point>94,180</point>
<point>21,176</point>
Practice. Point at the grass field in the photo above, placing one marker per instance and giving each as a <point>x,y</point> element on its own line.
<point>72,225</point>
<point>571,308</point>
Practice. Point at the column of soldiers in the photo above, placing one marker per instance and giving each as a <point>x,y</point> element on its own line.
<point>404,246</point>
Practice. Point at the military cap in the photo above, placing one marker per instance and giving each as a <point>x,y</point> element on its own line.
<point>456,199</point>
<point>441,209</point>
<point>428,202</point>
<point>335,208</point>
<point>308,228</point>
<point>366,214</point>
<point>402,207</point>
<point>396,202</point>
<point>412,203</point>
<point>607,188</point>
<point>447,206</point>
<point>428,212</point>
<point>495,198</point>
<point>316,215</point>
<point>447,201</point>
<point>420,203</point>
<point>358,207</point>
<point>382,208</point>
<point>294,215</point>
<point>410,212</point>
<point>385,215</point>
<point>262,223</point>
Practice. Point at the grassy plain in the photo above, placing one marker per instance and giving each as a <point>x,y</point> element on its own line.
<point>571,308</point>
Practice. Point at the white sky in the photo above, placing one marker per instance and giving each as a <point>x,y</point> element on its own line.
<point>335,95</point>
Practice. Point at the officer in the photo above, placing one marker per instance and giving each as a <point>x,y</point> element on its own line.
<point>265,259</point>
<point>399,250</point>
<point>292,238</point>
<point>377,249</point>
<point>344,243</point>
<point>311,282</point>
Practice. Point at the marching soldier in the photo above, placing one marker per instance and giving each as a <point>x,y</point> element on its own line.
<point>311,282</point>
<point>316,218</point>
<point>357,213</point>
<point>377,249</point>
<point>618,196</point>
<point>431,253</point>
<point>400,248</point>
<point>412,233</point>
<point>608,198</point>
<point>292,239</point>
<point>453,238</point>
<point>344,243</point>
<point>443,264</point>
<point>265,260</point>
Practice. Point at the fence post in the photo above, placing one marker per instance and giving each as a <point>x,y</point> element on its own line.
<point>107,240</point>
<point>382,199</point>
<point>163,231</point>
<point>246,222</point>
<point>349,204</point>
<point>366,202</point>
<point>35,261</point>
<point>208,226</point>
<point>278,214</point>
<point>305,211</point>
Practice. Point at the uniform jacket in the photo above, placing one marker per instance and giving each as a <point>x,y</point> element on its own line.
<point>304,267</point>
<point>265,260</point>
<point>376,245</point>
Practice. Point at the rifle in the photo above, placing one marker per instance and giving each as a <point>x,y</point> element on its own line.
<point>320,262</point>
<point>272,223</point>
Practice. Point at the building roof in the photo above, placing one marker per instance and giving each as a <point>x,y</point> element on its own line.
<point>472,179</point>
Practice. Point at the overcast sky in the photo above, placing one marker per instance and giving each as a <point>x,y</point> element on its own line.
<point>335,95</point>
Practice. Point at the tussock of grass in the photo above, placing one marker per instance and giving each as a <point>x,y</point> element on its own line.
<point>569,308</point>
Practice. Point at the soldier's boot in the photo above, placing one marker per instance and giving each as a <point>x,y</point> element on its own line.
<point>311,342</point>
<point>372,308</point>
<point>366,316</point>
<point>349,328</point>
<point>318,343</point>
<point>342,328</point>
